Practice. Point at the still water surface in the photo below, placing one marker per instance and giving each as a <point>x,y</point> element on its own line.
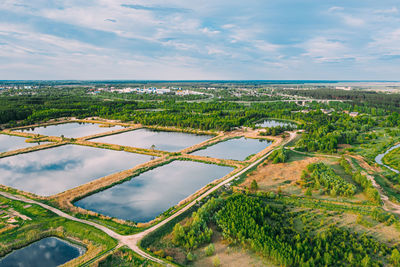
<point>47,252</point>
<point>238,148</point>
<point>145,138</point>
<point>144,197</point>
<point>54,170</point>
<point>379,158</point>
<point>72,130</point>
<point>9,143</point>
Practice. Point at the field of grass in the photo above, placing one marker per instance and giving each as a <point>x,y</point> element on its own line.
<point>371,147</point>
<point>124,257</point>
<point>393,159</point>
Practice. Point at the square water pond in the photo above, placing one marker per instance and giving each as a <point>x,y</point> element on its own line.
<point>71,130</point>
<point>9,143</point>
<point>237,148</point>
<point>145,138</point>
<point>144,197</point>
<point>54,170</point>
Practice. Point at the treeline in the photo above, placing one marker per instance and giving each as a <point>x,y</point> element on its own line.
<point>389,102</point>
<point>320,175</point>
<point>370,191</point>
<point>279,156</point>
<point>196,231</point>
<point>31,109</point>
<point>324,133</point>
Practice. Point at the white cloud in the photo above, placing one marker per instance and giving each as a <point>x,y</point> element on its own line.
<point>209,32</point>
<point>266,46</point>
<point>353,21</point>
<point>392,10</point>
<point>386,43</point>
<point>335,8</point>
<point>322,49</point>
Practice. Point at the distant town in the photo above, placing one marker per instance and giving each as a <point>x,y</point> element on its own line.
<point>144,90</point>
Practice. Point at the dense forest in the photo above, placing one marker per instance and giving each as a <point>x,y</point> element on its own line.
<point>358,97</point>
<point>319,175</point>
<point>270,230</point>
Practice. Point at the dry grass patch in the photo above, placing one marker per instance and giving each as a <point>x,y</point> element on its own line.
<point>272,176</point>
<point>229,256</point>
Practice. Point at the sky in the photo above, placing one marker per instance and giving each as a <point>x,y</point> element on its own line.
<point>200,40</point>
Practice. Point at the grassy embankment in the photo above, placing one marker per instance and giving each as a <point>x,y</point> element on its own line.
<point>43,223</point>
<point>392,159</point>
<point>126,257</point>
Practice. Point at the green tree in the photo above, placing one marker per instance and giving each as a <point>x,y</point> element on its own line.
<point>395,257</point>
<point>254,186</point>
<point>216,261</point>
<point>309,192</point>
<point>366,262</point>
<point>190,256</point>
<point>178,233</point>
<point>209,250</point>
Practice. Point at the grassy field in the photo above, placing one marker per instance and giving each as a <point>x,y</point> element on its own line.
<point>371,147</point>
<point>124,257</point>
<point>22,224</point>
<point>393,159</point>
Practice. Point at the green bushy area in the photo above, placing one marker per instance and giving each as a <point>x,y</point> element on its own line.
<point>44,223</point>
<point>268,224</point>
<point>321,175</point>
<point>125,257</point>
<point>393,159</point>
<point>270,230</point>
<point>279,156</point>
<point>370,191</point>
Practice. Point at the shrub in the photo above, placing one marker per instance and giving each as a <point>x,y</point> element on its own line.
<point>209,250</point>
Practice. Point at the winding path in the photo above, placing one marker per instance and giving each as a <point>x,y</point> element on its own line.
<point>132,240</point>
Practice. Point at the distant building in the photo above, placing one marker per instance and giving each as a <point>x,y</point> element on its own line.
<point>327,111</point>
<point>343,88</point>
<point>353,114</point>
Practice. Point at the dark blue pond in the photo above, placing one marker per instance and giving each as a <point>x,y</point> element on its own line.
<point>47,252</point>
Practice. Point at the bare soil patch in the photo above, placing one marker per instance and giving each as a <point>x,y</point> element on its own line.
<point>272,176</point>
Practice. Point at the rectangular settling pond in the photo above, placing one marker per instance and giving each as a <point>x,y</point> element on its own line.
<point>145,138</point>
<point>9,143</point>
<point>146,196</point>
<point>54,170</point>
<point>49,252</point>
<point>71,130</point>
<point>237,148</point>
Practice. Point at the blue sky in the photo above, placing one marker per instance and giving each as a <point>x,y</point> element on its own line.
<point>171,39</point>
